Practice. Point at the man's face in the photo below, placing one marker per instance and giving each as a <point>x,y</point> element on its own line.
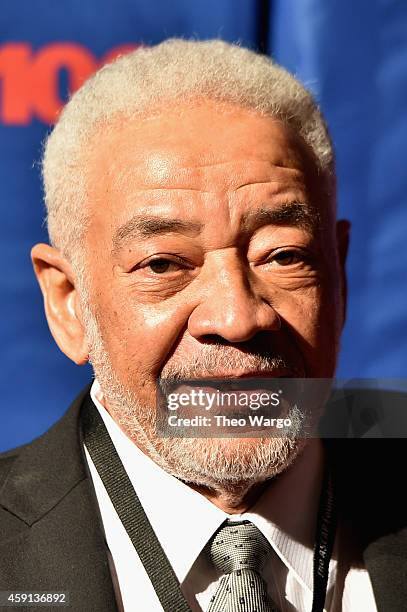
<point>211,251</point>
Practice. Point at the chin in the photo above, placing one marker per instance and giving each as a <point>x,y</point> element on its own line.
<point>228,462</point>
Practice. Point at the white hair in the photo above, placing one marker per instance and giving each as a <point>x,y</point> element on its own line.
<point>152,78</point>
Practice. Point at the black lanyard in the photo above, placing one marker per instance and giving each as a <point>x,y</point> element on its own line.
<point>131,513</point>
<point>324,539</point>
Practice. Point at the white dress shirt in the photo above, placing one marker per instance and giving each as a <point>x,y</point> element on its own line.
<point>184,521</point>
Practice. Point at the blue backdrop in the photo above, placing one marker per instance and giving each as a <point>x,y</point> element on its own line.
<point>352,55</point>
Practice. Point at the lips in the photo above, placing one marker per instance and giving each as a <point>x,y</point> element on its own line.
<point>242,382</point>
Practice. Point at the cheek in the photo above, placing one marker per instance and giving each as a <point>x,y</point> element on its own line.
<point>138,337</point>
<point>312,317</point>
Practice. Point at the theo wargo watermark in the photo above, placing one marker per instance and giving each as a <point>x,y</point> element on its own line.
<point>235,407</point>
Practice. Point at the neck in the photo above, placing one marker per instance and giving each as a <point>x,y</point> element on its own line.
<point>236,500</point>
<point>298,485</point>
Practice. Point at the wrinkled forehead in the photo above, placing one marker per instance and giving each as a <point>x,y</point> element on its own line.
<point>204,149</point>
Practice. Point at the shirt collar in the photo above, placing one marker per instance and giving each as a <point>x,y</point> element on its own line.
<point>285,513</point>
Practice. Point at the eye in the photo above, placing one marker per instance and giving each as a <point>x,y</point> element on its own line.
<point>161,265</point>
<point>288,258</point>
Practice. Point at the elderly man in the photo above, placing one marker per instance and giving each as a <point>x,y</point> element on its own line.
<point>190,191</point>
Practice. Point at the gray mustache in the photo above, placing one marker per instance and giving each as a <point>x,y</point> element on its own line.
<point>209,366</point>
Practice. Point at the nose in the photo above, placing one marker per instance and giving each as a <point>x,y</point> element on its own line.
<point>232,308</point>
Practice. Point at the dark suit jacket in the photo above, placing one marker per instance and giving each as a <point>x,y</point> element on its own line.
<point>50,528</point>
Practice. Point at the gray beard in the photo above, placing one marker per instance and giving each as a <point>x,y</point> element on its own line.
<point>221,464</point>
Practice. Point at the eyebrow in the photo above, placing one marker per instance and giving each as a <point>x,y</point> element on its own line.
<point>297,214</point>
<point>144,226</point>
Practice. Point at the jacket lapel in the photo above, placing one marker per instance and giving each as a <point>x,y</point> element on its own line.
<point>371,502</point>
<point>51,535</point>
<point>386,561</point>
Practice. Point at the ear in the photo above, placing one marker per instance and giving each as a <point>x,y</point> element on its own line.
<point>342,239</point>
<point>61,301</point>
